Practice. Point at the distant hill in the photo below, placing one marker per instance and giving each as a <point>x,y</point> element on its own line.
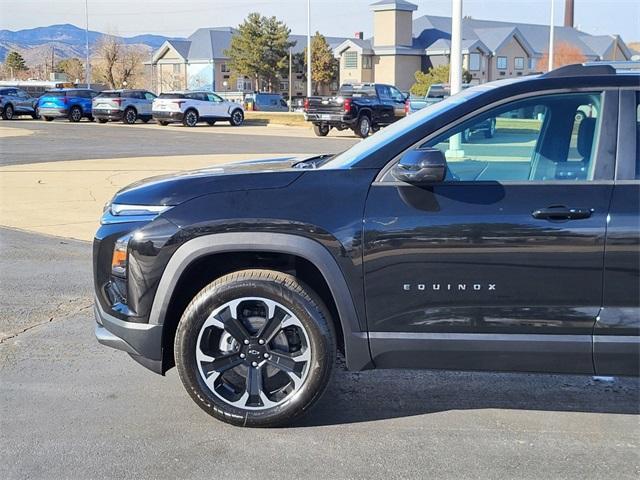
<point>67,41</point>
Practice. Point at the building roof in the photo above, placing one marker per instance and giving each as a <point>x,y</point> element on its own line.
<point>211,43</point>
<point>430,28</point>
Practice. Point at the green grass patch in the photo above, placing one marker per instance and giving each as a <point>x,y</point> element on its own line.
<point>293,119</point>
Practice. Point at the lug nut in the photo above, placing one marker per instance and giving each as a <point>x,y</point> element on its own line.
<point>242,355</point>
<point>261,342</point>
<point>246,342</point>
<point>266,355</point>
<point>255,364</point>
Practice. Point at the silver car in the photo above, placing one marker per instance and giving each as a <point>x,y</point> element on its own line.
<point>127,106</point>
<point>14,101</point>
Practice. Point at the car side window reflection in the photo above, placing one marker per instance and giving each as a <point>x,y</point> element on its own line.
<point>544,138</point>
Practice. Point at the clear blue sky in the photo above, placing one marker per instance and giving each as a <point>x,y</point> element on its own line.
<point>331,17</point>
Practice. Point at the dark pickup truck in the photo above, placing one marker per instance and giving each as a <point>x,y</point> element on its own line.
<point>362,107</point>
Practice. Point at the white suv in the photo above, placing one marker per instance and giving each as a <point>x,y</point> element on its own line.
<point>192,107</point>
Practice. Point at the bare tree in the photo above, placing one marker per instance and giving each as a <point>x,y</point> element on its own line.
<point>117,64</point>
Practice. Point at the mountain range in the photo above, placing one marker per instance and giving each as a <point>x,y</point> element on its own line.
<point>35,44</point>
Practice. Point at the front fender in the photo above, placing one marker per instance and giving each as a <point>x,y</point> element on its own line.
<point>356,341</point>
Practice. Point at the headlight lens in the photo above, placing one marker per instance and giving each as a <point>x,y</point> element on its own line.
<point>121,213</point>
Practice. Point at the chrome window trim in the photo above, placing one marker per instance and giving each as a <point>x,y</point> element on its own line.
<point>385,170</point>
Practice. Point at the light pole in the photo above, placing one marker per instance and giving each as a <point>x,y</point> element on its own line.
<point>551,35</point>
<point>308,48</point>
<point>290,77</point>
<point>87,72</point>
<point>455,68</point>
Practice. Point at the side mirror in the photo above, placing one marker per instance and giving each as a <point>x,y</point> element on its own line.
<point>421,165</point>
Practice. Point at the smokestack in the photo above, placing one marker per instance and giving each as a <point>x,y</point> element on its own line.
<point>359,35</point>
<point>568,13</point>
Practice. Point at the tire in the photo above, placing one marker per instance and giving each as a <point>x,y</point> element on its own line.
<point>8,113</point>
<point>48,119</point>
<point>492,129</point>
<point>363,127</point>
<point>321,130</point>
<point>130,116</point>
<point>190,118</point>
<point>237,118</point>
<point>35,115</point>
<point>296,382</point>
<point>162,122</point>
<point>375,128</point>
<point>145,119</point>
<point>75,114</point>
<point>102,120</point>
<point>211,123</point>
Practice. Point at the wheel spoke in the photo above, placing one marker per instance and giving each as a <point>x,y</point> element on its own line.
<point>274,324</point>
<point>287,364</point>
<point>253,386</point>
<point>229,317</point>
<point>220,364</point>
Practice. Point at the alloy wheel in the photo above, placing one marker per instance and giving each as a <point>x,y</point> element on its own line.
<point>76,114</point>
<point>253,353</point>
<point>365,126</point>
<point>192,119</point>
<point>130,116</point>
<point>237,117</point>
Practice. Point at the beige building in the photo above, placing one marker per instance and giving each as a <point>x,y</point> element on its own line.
<point>402,45</point>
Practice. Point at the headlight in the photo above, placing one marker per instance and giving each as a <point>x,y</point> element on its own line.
<point>120,213</point>
<point>120,256</point>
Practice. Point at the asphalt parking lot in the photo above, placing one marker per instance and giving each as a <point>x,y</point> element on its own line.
<point>70,408</point>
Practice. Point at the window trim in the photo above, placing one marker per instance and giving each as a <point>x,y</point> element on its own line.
<point>515,64</point>
<point>355,55</point>
<point>625,167</point>
<point>603,153</point>
<point>506,62</point>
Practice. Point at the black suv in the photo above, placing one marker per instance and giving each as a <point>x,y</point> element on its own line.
<point>412,249</point>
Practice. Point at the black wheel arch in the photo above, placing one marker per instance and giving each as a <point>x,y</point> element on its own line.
<point>317,266</point>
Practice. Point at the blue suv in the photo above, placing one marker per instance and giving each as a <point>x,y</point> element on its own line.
<point>71,103</point>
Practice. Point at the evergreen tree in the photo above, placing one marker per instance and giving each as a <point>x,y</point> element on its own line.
<point>15,63</point>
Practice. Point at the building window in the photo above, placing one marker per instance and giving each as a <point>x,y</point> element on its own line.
<point>176,68</point>
<point>518,63</point>
<point>366,62</point>
<point>501,63</point>
<point>474,62</point>
<point>532,63</point>
<point>224,68</point>
<point>350,59</point>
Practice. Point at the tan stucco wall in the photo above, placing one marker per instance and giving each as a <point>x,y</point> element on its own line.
<point>167,80</point>
<point>392,28</point>
<point>398,70</point>
<point>355,74</point>
<point>511,50</point>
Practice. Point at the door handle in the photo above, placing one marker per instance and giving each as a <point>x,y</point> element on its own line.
<point>562,213</point>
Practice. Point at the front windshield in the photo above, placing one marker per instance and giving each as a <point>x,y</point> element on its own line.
<point>349,158</point>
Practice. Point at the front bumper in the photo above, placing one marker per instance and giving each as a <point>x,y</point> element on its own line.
<point>115,115</point>
<point>168,116</point>
<point>143,341</point>
<point>53,112</point>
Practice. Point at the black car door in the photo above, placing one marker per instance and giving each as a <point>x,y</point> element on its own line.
<point>616,341</point>
<point>386,114</point>
<point>499,266</point>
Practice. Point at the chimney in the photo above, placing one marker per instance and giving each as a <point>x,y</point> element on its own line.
<point>359,35</point>
<point>568,13</point>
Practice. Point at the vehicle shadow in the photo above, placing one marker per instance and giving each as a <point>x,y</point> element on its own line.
<point>354,397</point>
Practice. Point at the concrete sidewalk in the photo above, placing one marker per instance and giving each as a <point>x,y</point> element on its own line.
<point>66,199</point>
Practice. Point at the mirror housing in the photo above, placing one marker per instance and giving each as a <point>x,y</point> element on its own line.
<point>421,165</point>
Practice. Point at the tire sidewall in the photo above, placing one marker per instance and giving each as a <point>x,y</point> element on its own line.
<point>314,318</point>
<point>8,112</point>
<point>191,118</point>
<point>75,109</point>
<point>237,113</point>
<point>127,114</point>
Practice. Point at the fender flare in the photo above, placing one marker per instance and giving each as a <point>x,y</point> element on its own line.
<point>356,342</point>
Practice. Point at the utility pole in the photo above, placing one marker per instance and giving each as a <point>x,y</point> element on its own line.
<point>551,35</point>
<point>87,71</point>
<point>308,48</point>
<point>290,78</point>
<point>455,68</point>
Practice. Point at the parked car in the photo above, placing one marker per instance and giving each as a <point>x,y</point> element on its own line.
<point>435,93</point>
<point>192,107</point>
<point>267,102</point>
<point>127,106</point>
<point>401,252</point>
<point>14,101</point>
<point>362,107</point>
<point>71,103</point>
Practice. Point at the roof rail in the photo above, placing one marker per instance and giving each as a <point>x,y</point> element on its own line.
<point>581,70</point>
<point>617,64</point>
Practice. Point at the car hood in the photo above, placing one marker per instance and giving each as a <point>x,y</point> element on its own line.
<point>177,188</point>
